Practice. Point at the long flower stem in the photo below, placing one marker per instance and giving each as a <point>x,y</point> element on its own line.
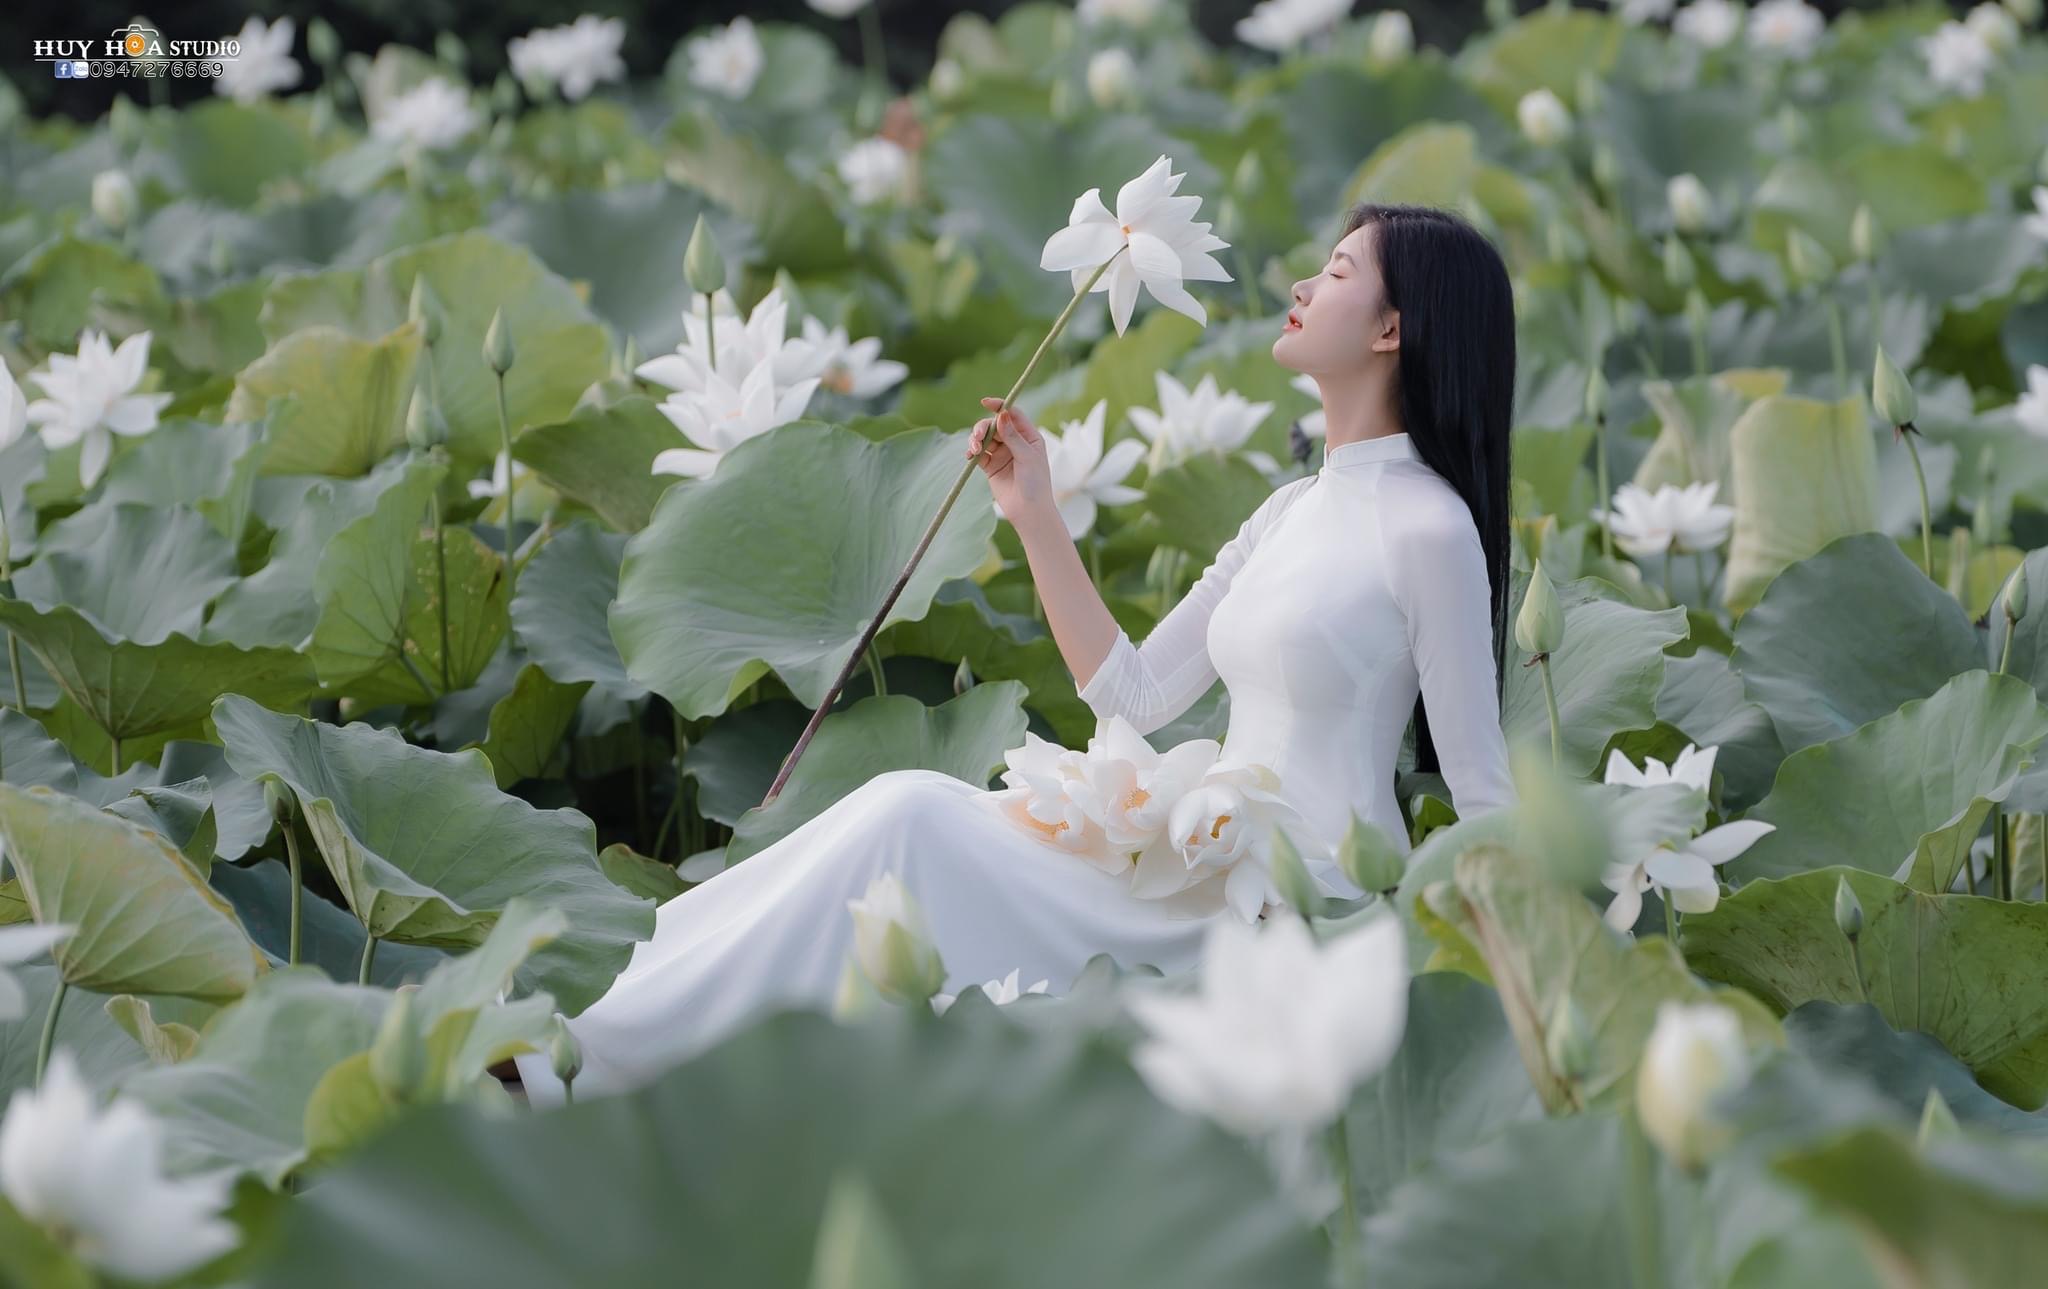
<point>682,741</point>
<point>50,1028</point>
<point>2001,854</point>
<point>441,577</point>
<point>291,849</point>
<point>871,54</point>
<point>1837,350</point>
<point>1926,516</point>
<point>505,445</point>
<point>1600,464</point>
<point>114,753</point>
<point>369,956</point>
<point>1670,919</point>
<point>1340,1161</point>
<point>931,530</point>
<point>1550,705</point>
<point>7,589</point>
<point>875,670</point>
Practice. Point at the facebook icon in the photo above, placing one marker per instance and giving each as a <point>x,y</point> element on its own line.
<point>70,70</point>
<point>63,68</point>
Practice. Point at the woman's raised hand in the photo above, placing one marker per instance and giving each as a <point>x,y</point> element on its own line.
<point>1019,474</point>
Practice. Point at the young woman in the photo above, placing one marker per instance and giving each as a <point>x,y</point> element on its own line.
<point>1351,598</point>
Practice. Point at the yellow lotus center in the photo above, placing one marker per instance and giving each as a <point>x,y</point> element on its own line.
<point>1216,829</point>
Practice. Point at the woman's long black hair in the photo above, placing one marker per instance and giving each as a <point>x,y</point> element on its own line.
<point>1457,379</point>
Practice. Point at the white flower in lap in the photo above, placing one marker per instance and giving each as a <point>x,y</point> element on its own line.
<point>1134,787</point>
<point>1220,840</point>
<point>1042,798</point>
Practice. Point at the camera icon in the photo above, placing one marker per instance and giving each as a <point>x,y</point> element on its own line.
<point>136,39</point>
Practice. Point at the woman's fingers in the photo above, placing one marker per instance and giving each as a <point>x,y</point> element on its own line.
<point>1013,419</point>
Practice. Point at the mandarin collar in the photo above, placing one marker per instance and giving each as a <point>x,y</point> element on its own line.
<point>1367,452</point>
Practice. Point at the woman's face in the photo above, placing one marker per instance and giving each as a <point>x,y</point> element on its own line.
<point>1342,311</point>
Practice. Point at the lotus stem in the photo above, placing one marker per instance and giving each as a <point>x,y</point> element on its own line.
<point>291,850</point>
<point>1698,327</point>
<point>1600,464</point>
<point>1699,575</point>
<point>369,956</point>
<point>682,741</point>
<point>1837,350</point>
<point>710,332</point>
<point>1550,705</point>
<point>1340,1160</point>
<point>1671,921</point>
<point>2001,854</point>
<point>412,669</point>
<point>874,657</point>
<point>1668,597</point>
<point>50,1028</point>
<point>505,445</point>
<point>441,577</point>
<point>14,665</point>
<point>1856,965</point>
<point>2005,651</point>
<point>924,542</point>
<point>7,588</point>
<point>114,753</point>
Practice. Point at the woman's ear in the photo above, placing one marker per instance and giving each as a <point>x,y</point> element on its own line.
<point>1389,338</point>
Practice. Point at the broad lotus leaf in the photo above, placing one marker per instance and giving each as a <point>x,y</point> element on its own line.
<point>211,468</point>
<point>365,585</point>
<point>735,760</point>
<point>135,573</point>
<point>765,566</point>
<point>965,738</point>
<point>790,216</point>
<point>921,1110</point>
<point>1853,1041</point>
<point>147,921</point>
<point>103,1049</point>
<point>427,850</point>
<point>329,937</point>
<point>565,592</point>
<point>336,402</point>
<point>1963,968</point>
<point>528,724</point>
<point>1704,698</point>
<point>2029,654</point>
<point>1546,50</point>
<point>1541,943</point>
<point>604,458</point>
<point>474,576</point>
<point>1203,501</point>
<point>1906,794</point>
<point>56,290</point>
<point>1804,473</point>
<point>999,646</point>
<point>1845,636</point>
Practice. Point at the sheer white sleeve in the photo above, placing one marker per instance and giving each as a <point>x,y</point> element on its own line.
<point>1150,684</point>
<point>1438,576</point>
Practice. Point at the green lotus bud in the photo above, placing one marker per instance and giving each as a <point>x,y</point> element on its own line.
<point>425,427</point>
<point>398,1057</point>
<point>703,266</point>
<point>565,1054</point>
<point>1628,316</point>
<point>1679,270</point>
<point>1291,877</point>
<point>1848,909</point>
<point>1892,392</point>
<point>791,293</point>
<point>2012,597</point>
<point>1606,166</point>
<point>1367,857</point>
<point>1596,396</point>
<point>1697,311</point>
<point>450,50</point>
<point>322,43</point>
<point>1569,1042</point>
<point>425,308</point>
<point>279,801</point>
<point>1864,236</point>
<point>1791,126</point>
<point>1958,583</point>
<point>1539,627</point>
<point>1937,1121</point>
<point>891,943</point>
<point>114,202</point>
<point>963,677</point>
<point>498,350</point>
<point>1590,93</point>
<point>1250,174</point>
<point>1810,261</point>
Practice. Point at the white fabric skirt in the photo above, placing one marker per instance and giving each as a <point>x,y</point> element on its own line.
<point>773,930</point>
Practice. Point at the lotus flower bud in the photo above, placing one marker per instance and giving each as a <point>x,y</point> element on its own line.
<point>1369,859</point>
<point>1679,270</point>
<point>1291,877</point>
<point>322,44</point>
<point>891,944</point>
<point>1958,583</point>
<point>398,1057</point>
<point>114,202</point>
<point>425,427</point>
<point>2012,600</point>
<point>565,1054</point>
<point>1544,119</point>
<point>1539,627</point>
<point>1848,909</point>
<point>1589,92</point>
<point>1810,261</point>
<point>1892,392</point>
<point>1695,1053</point>
<point>1392,38</point>
<point>1937,1121</point>
<point>1596,396</point>
<point>1697,311</point>
<point>963,677</point>
<point>425,308</point>
<point>947,78</point>
<point>498,351</point>
<point>450,51</point>
<point>1111,77</point>
<point>1606,166</point>
<point>1569,1042</point>
<point>1865,238</point>
<point>703,266</point>
<point>279,801</point>
<point>1691,208</point>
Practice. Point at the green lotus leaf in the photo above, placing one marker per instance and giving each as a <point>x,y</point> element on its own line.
<point>1545,50</point>
<point>85,1028</point>
<point>147,922</point>
<point>56,290</point>
<point>604,458</point>
<point>1854,1043</point>
<point>474,574</point>
<point>1922,780</point>
<point>1845,636</point>
<point>1804,474</point>
<point>229,151</point>
<point>965,738</point>
<point>735,760</point>
<point>565,593</point>
<point>1963,263</point>
<point>336,402</point>
<point>426,850</point>
<point>649,878</point>
<point>1201,502</point>
<point>1962,968</point>
<point>329,937</point>
<point>768,566</point>
<point>997,646</point>
<point>794,223</point>
<point>1703,697</point>
<point>2028,658</point>
<point>135,573</point>
<point>211,468</point>
<point>919,1110</point>
<point>528,724</point>
<point>365,583</point>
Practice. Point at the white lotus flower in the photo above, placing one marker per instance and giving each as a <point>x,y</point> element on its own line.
<point>2037,223</point>
<point>1691,208</point>
<point>723,415</point>
<point>13,408</point>
<point>892,942</point>
<point>572,58</point>
<point>855,368</point>
<point>1694,767</point>
<point>727,60</point>
<point>874,168</point>
<point>1958,59</point>
<point>1166,245</point>
<point>1112,77</point>
<point>497,485</point>
<point>1544,119</point>
<point>89,397</point>
<point>1672,518</point>
<point>1220,838</point>
<point>1995,26</point>
<point>93,1179</point>
<point>435,113</point>
<point>838,8</point>
<point>1314,424</point>
<point>1206,419</point>
<point>1392,38</point>
<point>19,944</point>
<point>1083,477</point>
<point>1282,1028</point>
<point>1681,872</point>
<point>1787,28</point>
<point>1282,25</point>
<point>1637,12</point>
<point>114,202</point>
<point>1709,24</point>
<point>1695,1053</point>
<point>947,78</point>
<point>2032,409</point>
<point>1000,992</point>
<point>265,64</point>
<point>1131,13</point>
<point>1043,795</point>
<point>742,345</point>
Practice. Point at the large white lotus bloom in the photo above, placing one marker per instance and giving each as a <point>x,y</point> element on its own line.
<point>2032,409</point>
<point>2037,223</point>
<point>856,369</point>
<point>20,944</point>
<point>1000,992</point>
<point>1958,59</point>
<point>742,345</point>
<point>723,415</point>
<point>1637,12</point>
<point>1709,23</point>
<point>1995,26</point>
<point>1695,1053</point>
<point>838,8</point>
<point>1132,13</point>
<point>265,64</point>
<point>13,408</point>
<point>1677,518</point>
<point>1788,28</point>
<point>114,202</point>
<point>1206,419</point>
<point>89,397</point>
<point>573,58</point>
<point>1315,424</point>
<point>1220,833</point>
<point>1392,38</point>
<point>1112,77</point>
<point>1682,872</point>
<point>1691,208</point>
<point>1544,119</point>
<point>1132,793</point>
<point>1166,245</point>
<point>1281,25</point>
<point>1694,767</point>
<point>874,168</point>
<point>93,1179</point>
<point>728,59</point>
<point>892,943</point>
<point>1282,1028</point>
<point>1083,477</point>
<point>1040,796</point>
<point>435,113</point>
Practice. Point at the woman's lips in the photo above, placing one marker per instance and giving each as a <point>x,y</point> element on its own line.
<point>1293,323</point>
